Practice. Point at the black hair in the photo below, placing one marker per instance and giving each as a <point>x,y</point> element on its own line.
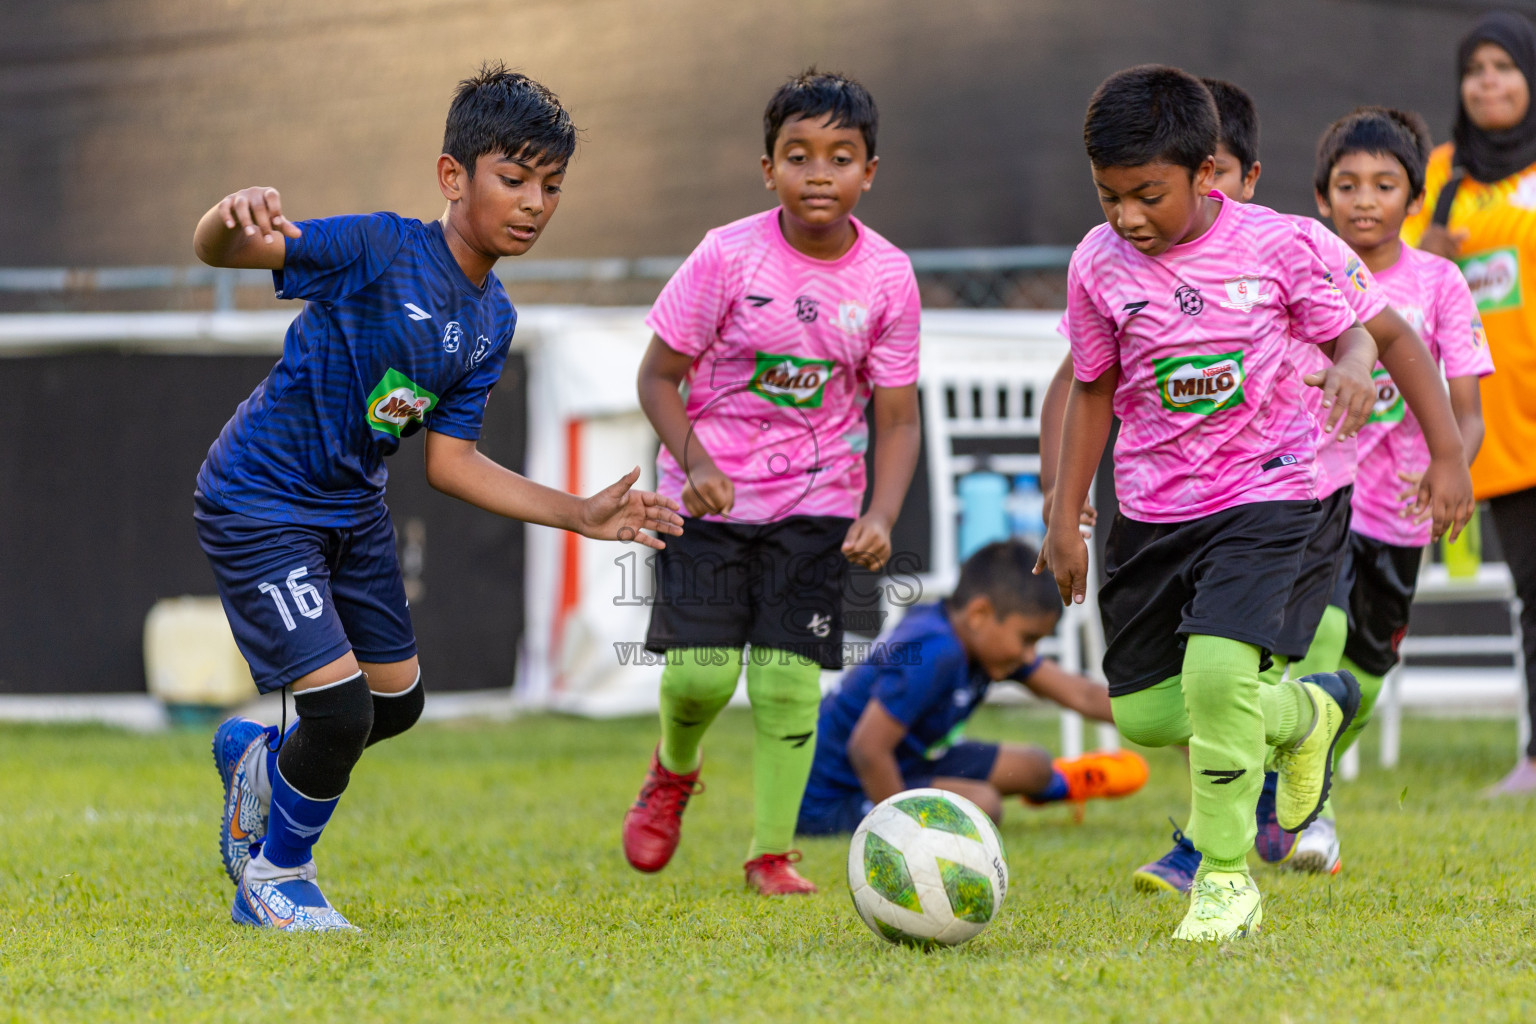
<point>1148,114</point>
<point>1401,134</point>
<point>1004,573</point>
<point>815,93</point>
<point>504,112</point>
<point>1239,122</point>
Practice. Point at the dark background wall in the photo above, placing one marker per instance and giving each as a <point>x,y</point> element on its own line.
<point>96,521</point>
<point>122,120</point>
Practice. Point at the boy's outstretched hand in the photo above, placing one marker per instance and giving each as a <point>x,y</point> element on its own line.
<point>1065,556</point>
<point>1349,394</point>
<point>256,209</point>
<point>618,513</point>
<point>1441,494</point>
<point>868,543</point>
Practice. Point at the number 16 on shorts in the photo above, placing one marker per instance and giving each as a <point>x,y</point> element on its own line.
<point>305,597</point>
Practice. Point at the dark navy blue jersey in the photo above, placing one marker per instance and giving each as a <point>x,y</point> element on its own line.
<point>923,676</point>
<point>393,338</point>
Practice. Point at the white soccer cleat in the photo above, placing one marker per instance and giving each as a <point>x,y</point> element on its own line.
<point>1317,849</point>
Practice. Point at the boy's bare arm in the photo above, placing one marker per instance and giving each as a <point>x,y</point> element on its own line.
<point>245,230</point>
<point>1053,410</point>
<point>1072,691</point>
<point>1090,414</point>
<point>661,371</point>
<point>898,436</point>
<point>1467,406</point>
<point>1348,391</point>
<point>1445,492</point>
<point>872,751</point>
<point>457,468</point>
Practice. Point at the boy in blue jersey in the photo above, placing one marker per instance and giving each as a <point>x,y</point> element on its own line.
<point>405,328</point>
<point>894,722</point>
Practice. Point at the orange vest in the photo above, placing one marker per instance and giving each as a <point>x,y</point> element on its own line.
<point>1498,260</point>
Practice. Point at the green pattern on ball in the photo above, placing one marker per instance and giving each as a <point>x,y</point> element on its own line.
<point>970,891</point>
<point>938,813</point>
<point>900,937</point>
<point>886,871</point>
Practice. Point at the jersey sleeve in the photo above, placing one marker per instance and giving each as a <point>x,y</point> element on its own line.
<point>1095,347</point>
<point>336,256</point>
<point>1348,273</point>
<point>1316,305</point>
<point>892,359</point>
<point>1458,327</point>
<point>1023,672</point>
<point>692,306</point>
<point>461,411</point>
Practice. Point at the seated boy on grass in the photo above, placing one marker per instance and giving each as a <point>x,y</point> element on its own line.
<point>894,722</point>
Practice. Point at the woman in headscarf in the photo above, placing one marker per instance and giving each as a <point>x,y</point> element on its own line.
<point>1480,210</point>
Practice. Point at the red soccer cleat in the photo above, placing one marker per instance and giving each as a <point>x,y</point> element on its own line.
<point>654,824</point>
<point>773,874</point>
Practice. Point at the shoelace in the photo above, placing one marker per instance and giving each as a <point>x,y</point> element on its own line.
<point>672,795</point>
<point>772,859</point>
<point>1212,900</point>
<point>1183,856</point>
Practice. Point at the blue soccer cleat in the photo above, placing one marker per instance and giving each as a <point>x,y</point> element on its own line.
<point>1174,871</point>
<point>237,744</point>
<point>1273,843</point>
<point>293,903</point>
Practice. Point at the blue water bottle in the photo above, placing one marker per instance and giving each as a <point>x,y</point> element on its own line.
<point>983,510</point>
<point>1026,510</point>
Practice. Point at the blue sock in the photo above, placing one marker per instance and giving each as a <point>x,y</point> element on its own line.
<point>295,825</point>
<point>1056,789</point>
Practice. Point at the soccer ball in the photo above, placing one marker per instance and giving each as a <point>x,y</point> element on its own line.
<point>927,867</point>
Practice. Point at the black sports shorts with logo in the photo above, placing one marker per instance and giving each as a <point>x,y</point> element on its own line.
<point>1320,566</point>
<point>1375,588</point>
<point>777,584</point>
<point>1228,574</point>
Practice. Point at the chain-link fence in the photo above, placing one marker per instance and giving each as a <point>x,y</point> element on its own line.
<point>1024,277</point>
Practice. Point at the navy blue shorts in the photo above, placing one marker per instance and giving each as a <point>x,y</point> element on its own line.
<point>299,597</point>
<point>966,760</point>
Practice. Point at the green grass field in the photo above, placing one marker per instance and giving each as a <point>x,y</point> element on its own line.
<point>482,863</point>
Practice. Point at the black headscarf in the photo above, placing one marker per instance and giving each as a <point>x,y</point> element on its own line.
<point>1494,156</point>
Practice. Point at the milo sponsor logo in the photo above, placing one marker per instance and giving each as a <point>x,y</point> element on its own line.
<point>790,380</point>
<point>1494,278</point>
<point>1389,405</point>
<point>1200,384</point>
<point>397,401</point>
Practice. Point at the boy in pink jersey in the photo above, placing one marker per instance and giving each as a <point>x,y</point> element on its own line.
<point>1182,311</point>
<point>1370,178</point>
<point>782,327</point>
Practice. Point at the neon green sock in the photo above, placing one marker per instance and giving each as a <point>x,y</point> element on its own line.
<point>1287,713</point>
<point>1327,648</point>
<point>1226,747</point>
<point>695,685</point>
<point>785,690</point>
<point>1154,717</point>
<point>1276,671</point>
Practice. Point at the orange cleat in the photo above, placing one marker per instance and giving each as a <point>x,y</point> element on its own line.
<point>773,874</point>
<point>1100,774</point>
<point>654,824</point>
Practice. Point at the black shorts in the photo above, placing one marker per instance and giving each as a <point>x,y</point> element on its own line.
<point>1375,589</point>
<point>1320,566</point>
<point>776,584</point>
<point>1228,574</point>
<point>968,759</point>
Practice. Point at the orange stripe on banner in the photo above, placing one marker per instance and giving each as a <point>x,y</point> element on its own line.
<point>570,569</point>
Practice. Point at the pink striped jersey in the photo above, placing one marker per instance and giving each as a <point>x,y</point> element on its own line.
<point>786,351</point>
<point>1210,396</point>
<point>1430,293</point>
<point>1335,458</point>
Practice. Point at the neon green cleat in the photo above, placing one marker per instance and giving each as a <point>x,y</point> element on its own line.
<point>1306,769</point>
<point>1223,905</point>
